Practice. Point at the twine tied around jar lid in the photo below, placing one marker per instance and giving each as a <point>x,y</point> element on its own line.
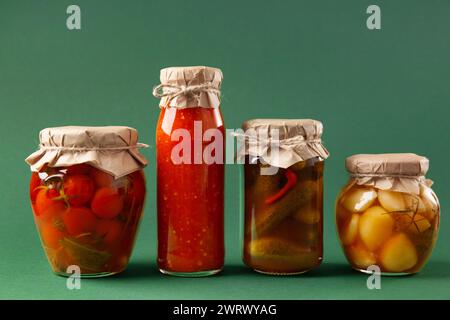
<point>254,140</point>
<point>172,91</point>
<point>137,145</point>
<point>401,172</point>
<point>189,87</point>
<point>282,142</point>
<point>112,149</point>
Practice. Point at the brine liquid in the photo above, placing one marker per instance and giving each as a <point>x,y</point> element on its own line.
<point>86,218</point>
<point>395,231</point>
<point>283,218</point>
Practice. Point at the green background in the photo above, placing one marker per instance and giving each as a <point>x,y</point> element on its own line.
<point>375,91</point>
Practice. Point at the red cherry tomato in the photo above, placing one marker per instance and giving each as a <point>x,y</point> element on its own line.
<point>45,199</point>
<point>54,212</point>
<point>107,203</point>
<point>78,189</point>
<point>35,182</point>
<point>78,220</point>
<point>136,192</point>
<point>50,235</point>
<point>110,231</point>
<point>102,179</point>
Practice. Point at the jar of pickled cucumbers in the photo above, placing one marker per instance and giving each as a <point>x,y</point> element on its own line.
<point>87,193</point>
<point>283,196</point>
<point>387,215</point>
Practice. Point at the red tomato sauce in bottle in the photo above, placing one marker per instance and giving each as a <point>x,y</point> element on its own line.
<point>190,194</point>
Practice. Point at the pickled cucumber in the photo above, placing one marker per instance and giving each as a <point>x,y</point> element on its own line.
<point>280,256</point>
<point>266,185</point>
<point>271,215</point>
<point>308,215</point>
<point>275,247</point>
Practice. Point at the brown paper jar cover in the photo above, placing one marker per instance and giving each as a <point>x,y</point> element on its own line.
<point>402,172</point>
<point>298,140</point>
<point>180,78</point>
<point>112,149</point>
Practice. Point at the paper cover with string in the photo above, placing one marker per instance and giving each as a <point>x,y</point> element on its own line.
<point>189,87</point>
<point>402,172</point>
<point>282,142</point>
<point>112,149</point>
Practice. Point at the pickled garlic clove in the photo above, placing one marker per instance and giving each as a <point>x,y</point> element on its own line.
<point>398,254</point>
<point>360,256</point>
<point>429,201</point>
<point>375,227</point>
<point>359,199</point>
<point>308,215</point>
<point>392,201</point>
<point>350,232</point>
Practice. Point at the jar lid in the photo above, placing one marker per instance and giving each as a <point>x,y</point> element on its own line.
<point>287,128</point>
<point>294,139</point>
<point>113,149</point>
<point>392,164</point>
<point>402,172</point>
<point>188,87</point>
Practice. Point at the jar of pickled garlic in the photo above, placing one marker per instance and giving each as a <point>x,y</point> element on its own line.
<point>387,215</point>
<point>87,193</point>
<point>283,195</point>
<point>190,172</point>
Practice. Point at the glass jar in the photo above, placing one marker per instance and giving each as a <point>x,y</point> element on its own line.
<point>86,216</point>
<point>190,173</point>
<point>283,207</point>
<point>387,215</point>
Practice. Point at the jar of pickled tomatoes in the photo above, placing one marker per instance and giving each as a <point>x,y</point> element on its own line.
<point>283,195</point>
<point>190,172</point>
<point>87,193</point>
<point>387,215</point>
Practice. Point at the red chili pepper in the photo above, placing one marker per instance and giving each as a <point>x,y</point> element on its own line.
<point>291,178</point>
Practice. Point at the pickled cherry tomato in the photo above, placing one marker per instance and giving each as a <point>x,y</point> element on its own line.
<point>54,212</point>
<point>110,231</point>
<point>35,182</point>
<point>102,179</point>
<point>50,235</point>
<point>45,199</point>
<point>78,189</point>
<point>79,220</point>
<point>107,203</point>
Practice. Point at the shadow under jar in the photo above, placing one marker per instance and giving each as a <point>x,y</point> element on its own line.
<point>283,218</point>
<point>387,215</point>
<point>87,216</point>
